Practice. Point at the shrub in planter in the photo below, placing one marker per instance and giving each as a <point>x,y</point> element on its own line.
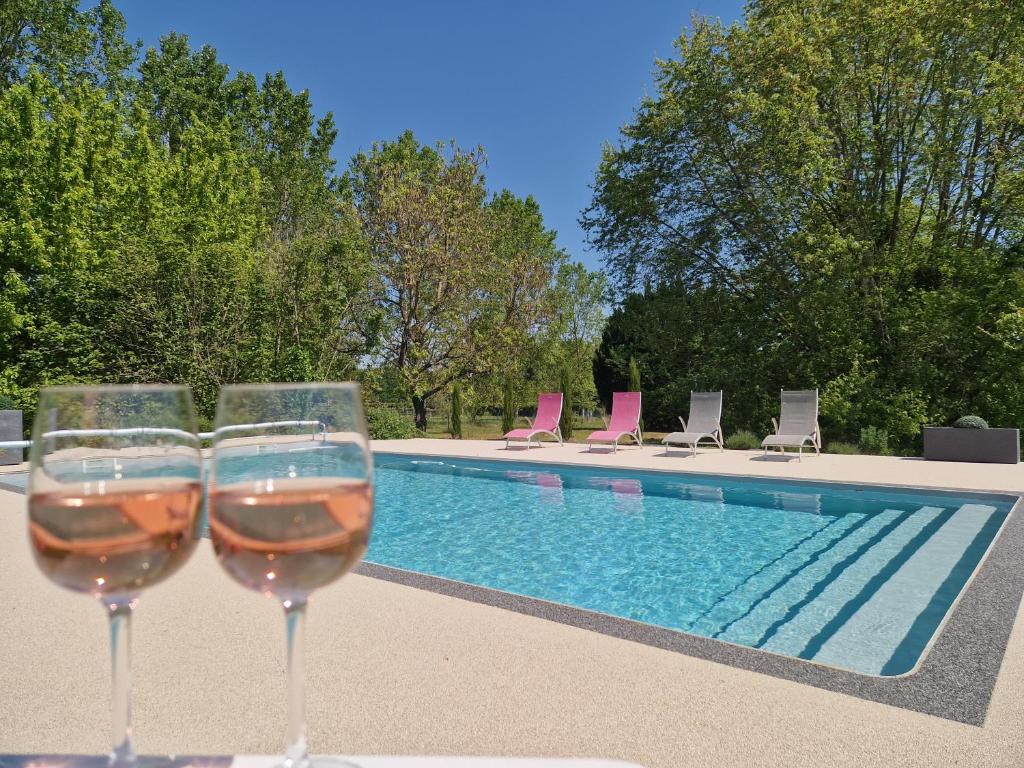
<point>386,424</point>
<point>970,422</point>
<point>972,439</point>
<point>744,440</point>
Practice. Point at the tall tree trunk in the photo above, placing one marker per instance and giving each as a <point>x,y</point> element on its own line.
<point>419,407</point>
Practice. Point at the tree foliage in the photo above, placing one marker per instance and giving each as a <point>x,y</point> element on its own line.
<point>165,219</point>
<point>827,196</point>
<point>461,280</point>
<point>169,225</point>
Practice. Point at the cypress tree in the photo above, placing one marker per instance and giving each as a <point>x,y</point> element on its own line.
<point>634,382</point>
<point>456,417</point>
<point>508,407</point>
<point>565,423</point>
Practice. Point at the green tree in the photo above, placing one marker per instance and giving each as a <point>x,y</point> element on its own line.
<point>172,221</point>
<point>65,44</point>
<point>308,276</point>
<point>169,226</point>
<point>458,281</point>
<point>844,178</point>
<point>577,317</point>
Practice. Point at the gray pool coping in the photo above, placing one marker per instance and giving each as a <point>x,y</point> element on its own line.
<point>954,680</point>
<point>11,487</point>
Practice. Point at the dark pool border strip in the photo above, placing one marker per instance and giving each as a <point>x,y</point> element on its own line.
<point>955,680</point>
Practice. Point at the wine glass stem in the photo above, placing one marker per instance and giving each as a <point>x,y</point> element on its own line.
<point>295,622</point>
<point>120,614</point>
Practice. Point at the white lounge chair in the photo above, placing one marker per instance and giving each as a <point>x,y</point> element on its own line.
<point>798,423</point>
<point>704,422</point>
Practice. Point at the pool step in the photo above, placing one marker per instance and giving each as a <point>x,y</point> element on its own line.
<point>852,576</point>
<point>865,606</point>
<point>782,587</point>
<point>885,617</point>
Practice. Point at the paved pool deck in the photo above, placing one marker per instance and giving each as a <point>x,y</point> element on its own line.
<point>875,470</point>
<point>401,670</point>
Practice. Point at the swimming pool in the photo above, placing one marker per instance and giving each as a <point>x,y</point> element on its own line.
<point>856,577</point>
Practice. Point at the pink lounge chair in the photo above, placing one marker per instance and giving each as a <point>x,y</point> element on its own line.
<point>625,421</point>
<point>549,411</point>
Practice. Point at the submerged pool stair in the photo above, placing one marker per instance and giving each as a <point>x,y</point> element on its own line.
<point>881,579</point>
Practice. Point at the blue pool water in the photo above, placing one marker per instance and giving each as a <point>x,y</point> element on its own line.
<point>855,577</point>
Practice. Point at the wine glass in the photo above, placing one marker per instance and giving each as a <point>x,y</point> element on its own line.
<point>113,497</point>
<point>290,504</point>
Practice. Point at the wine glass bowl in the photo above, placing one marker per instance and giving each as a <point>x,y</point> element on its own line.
<point>290,537</point>
<point>114,492</point>
<point>114,543</point>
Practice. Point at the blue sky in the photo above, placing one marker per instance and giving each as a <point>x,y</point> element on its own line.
<point>540,85</point>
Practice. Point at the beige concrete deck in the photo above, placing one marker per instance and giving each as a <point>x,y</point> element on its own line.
<point>881,470</point>
<point>398,670</point>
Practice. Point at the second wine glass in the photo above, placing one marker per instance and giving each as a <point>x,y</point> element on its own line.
<point>290,503</point>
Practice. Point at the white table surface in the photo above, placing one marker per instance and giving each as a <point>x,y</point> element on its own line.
<point>264,761</point>
<point>272,761</point>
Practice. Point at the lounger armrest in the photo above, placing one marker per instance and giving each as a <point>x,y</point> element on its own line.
<point>775,426</point>
<point>683,422</point>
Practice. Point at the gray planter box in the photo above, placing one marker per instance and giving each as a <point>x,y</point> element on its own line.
<point>989,446</point>
<point>10,429</point>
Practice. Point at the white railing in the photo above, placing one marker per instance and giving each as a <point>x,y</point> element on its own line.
<point>169,431</point>
<point>322,429</point>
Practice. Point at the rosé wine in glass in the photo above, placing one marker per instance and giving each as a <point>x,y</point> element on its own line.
<point>134,534</point>
<point>300,536</point>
